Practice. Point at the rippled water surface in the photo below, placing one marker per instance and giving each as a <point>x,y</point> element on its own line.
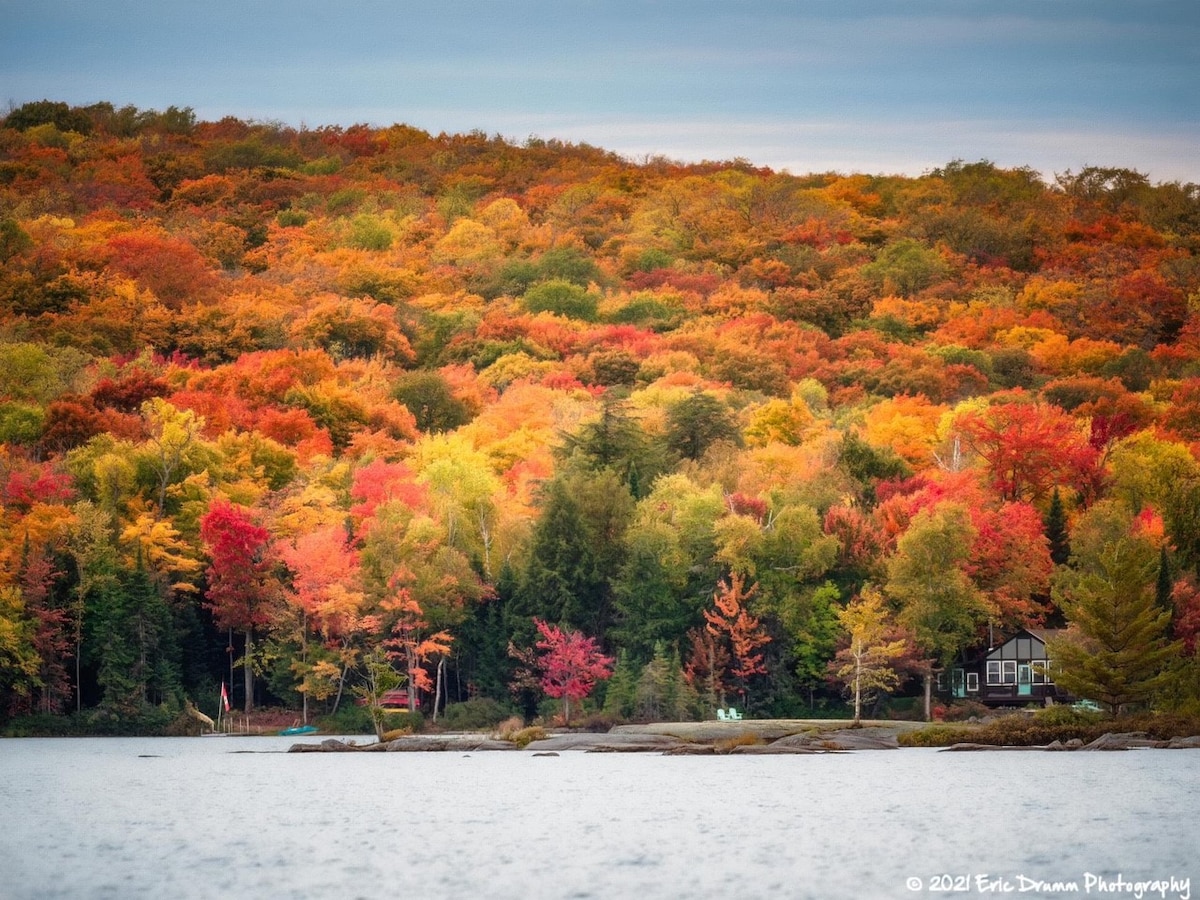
<point>216,817</point>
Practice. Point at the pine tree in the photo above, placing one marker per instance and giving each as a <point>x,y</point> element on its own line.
<point>1165,583</point>
<point>1056,530</point>
<point>1119,653</point>
<point>620,695</point>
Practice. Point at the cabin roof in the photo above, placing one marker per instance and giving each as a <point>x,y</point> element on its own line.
<point>982,651</point>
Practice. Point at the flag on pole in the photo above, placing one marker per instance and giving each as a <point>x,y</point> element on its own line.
<point>224,697</point>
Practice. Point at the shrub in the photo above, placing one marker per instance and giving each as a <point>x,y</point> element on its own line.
<point>355,719</point>
<point>561,298</point>
<point>480,714</point>
<point>1066,715</point>
<point>525,736</point>
<point>510,726</point>
<point>43,725</point>
<point>291,218</point>
<point>1045,727</point>
<point>937,736</point>
<point>961,710</point>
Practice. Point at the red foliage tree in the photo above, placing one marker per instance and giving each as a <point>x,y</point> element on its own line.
<point>1028,448</point>
<point>379,482</point>
<point>30,483</point>
<point>1186,598</point>
<point>739,633</point>
<point>170,267</point>
<point>571,664</point>
<point>51,638</point>
<point>129,392</point>
<point>242,590</point>
<point>1010,561</point>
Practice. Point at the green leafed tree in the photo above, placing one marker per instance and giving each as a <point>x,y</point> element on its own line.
<point>927,577</point>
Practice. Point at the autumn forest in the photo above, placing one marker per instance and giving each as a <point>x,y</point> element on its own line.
<point>287,408</point>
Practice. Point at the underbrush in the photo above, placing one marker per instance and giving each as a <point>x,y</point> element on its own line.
<point>147,721</point>
<point>1054,724</point>
<point>480,714</point>
<point>355,719</point>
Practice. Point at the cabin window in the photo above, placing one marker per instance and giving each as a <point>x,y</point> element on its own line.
<point>972,682</point>
<point>1002,671</point>
<point>941,681</point>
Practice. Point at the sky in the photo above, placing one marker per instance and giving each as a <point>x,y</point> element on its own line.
<point>874,86</point>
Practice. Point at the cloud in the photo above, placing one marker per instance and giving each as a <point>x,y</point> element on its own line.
<point>869,84</point>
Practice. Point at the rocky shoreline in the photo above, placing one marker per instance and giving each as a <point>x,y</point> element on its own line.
<point>1128,740</point>
<point>764,737</point>
<point>669,739</point>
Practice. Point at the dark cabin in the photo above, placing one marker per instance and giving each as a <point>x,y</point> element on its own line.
<point>1014,673</point>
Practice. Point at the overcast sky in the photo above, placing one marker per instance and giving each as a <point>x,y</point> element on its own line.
<point>880,86</point>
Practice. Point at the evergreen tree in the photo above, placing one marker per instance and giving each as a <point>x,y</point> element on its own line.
<point>697,422</point>
<point>576,555</point>
<point>1165,583</point>
<point>662,693</point>
<point>157,668</point>
<point>1118,652</point>
<point>616,441</point>
<point>481,650</point>
<point>114,652</point>
<point>620,696</point>
<point>1056,530</point>
<point>652,597</point>
<point>134,645</point>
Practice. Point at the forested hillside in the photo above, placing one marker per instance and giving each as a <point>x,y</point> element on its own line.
<point>337,396</point>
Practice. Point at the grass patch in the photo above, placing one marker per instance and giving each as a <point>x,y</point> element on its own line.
<point>745,739</point>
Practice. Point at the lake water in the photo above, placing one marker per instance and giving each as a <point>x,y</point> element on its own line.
<point>236,817</point>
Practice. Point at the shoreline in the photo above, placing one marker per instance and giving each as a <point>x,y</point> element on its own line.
<point>752,737</point>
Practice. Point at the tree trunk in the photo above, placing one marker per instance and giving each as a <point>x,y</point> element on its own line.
<point>410,659</point>
<point>248,670</point>
<point>304,660</point>
<point>437,694</point>
<point>857,691</point>
<point>928,695</point>
<point>341,684</point>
